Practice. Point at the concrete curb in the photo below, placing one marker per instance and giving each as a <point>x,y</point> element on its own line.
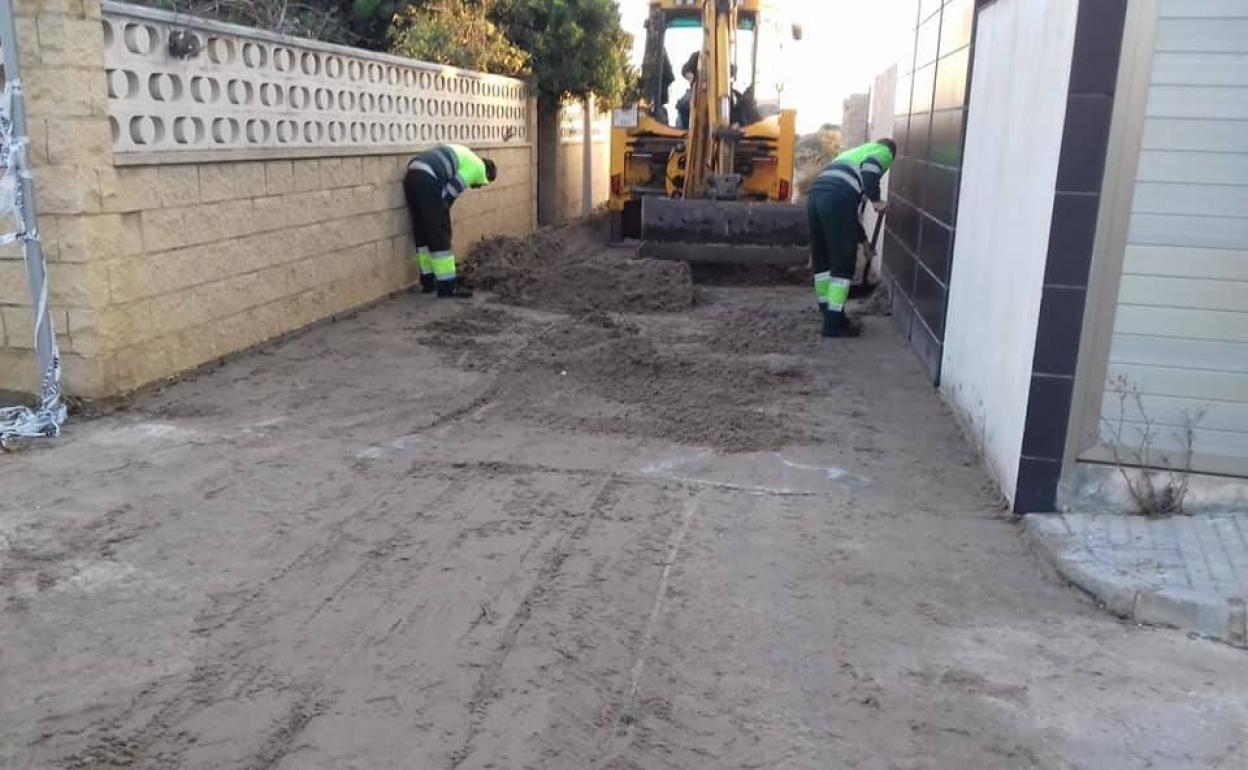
<point>1131,595</point>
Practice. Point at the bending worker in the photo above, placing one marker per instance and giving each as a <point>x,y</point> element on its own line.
<point>435,179</point>
<point>835,232</point>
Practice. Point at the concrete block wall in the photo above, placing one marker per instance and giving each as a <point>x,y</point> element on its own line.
<point>571,170</point>
<point>156,269</point>
<point>222,256</point>
<point>67,106</point>
<point>568,170</point>
<point>855,113</point>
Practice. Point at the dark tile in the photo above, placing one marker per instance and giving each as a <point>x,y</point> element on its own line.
<point>935,240</point>
<point>928,349</point>
<point>951,80</point>
<point>928,43</point>
<point>1084,143</point>
<point>1059,329</point>
<point>920,135</point>
<point>947,135</point>
<point>904,221</point>
<point>1048,412</point>
<point>924,83</point>
<point>918,189</point>
<point>929,301</point>
<point>1071,236</point>
<point>900,177</point>
<point>955,25</point>
<point>901,97</point>
<point>901,133</point>
<point>1098,43</point>
<point>901,264</point>
<point>893,252</point>
<point>941,196</point>
<point>906,43</point>
<point>1036,491</point>
<point>903,312</point>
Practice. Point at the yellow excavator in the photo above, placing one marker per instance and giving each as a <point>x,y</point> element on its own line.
<point>712,180</point>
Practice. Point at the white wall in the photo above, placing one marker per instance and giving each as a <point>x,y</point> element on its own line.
<point>1181,326</point>
<point>880,125</point>
<point>1017,111</point>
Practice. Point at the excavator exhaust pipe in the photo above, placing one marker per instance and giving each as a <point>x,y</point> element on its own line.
<point>724,232</point>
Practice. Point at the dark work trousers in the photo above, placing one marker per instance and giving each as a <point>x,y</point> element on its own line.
<point>834,236</point>
<point>834,230</point>
<point>431,216</point>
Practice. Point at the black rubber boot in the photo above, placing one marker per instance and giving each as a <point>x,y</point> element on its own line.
<point>837,324</point>
<point>427,283</point>
<point>452,290</point>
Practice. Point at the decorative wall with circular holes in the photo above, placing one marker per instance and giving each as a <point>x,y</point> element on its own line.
<point>247,89</point>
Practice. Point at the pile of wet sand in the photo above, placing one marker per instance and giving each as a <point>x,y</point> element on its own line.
<point>719,401</point>
<point>640,376</point>
<point>638,382</point>
<point>565,269</point>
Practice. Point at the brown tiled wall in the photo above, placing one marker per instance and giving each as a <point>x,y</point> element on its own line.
<point>929,126</point>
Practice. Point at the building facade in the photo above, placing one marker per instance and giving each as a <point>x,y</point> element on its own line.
<point>1089,320</point>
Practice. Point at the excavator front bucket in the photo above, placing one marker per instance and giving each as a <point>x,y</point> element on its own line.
<point>725,232</point>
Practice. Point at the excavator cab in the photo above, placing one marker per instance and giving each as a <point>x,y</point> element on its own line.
<point>681,42</point>
<point>689,188</point>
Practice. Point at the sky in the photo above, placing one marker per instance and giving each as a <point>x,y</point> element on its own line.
<point>846,43</point>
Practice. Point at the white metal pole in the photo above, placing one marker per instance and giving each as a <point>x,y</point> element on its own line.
<point>50,413</point>
<point>587,157</point>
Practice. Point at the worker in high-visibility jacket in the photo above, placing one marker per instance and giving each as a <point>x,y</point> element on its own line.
<point>435,179</point>
<point>833,206</point>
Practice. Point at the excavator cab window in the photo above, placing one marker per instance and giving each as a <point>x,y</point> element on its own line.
<point>772,62</point>
<point>682,39</point>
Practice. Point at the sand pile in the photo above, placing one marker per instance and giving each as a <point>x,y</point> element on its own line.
<point>880,302</point>
<point>565,269</point>
<point>504,263</point>
<point>714,401</point>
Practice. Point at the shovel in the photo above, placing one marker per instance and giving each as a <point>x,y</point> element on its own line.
<point>867,287</point>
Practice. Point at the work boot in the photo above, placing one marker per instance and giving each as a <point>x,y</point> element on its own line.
<point>452,290</point>
<point>837,324</point>
<point>427,283</point>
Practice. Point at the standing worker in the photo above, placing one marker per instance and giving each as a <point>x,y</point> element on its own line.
<point>690,73</point>
<point>835,231</point>
<point>435,178</point>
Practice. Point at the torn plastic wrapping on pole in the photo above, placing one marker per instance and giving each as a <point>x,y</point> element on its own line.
<point>46,418</point>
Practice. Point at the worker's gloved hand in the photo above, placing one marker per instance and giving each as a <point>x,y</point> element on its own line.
<point>881,207</point>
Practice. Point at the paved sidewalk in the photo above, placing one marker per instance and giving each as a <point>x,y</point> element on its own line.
<point>1190,572</point>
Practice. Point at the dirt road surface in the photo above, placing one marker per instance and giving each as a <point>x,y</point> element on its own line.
<point>441,535</point>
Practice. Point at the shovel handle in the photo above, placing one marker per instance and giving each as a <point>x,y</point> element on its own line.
<point>875,236</point>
